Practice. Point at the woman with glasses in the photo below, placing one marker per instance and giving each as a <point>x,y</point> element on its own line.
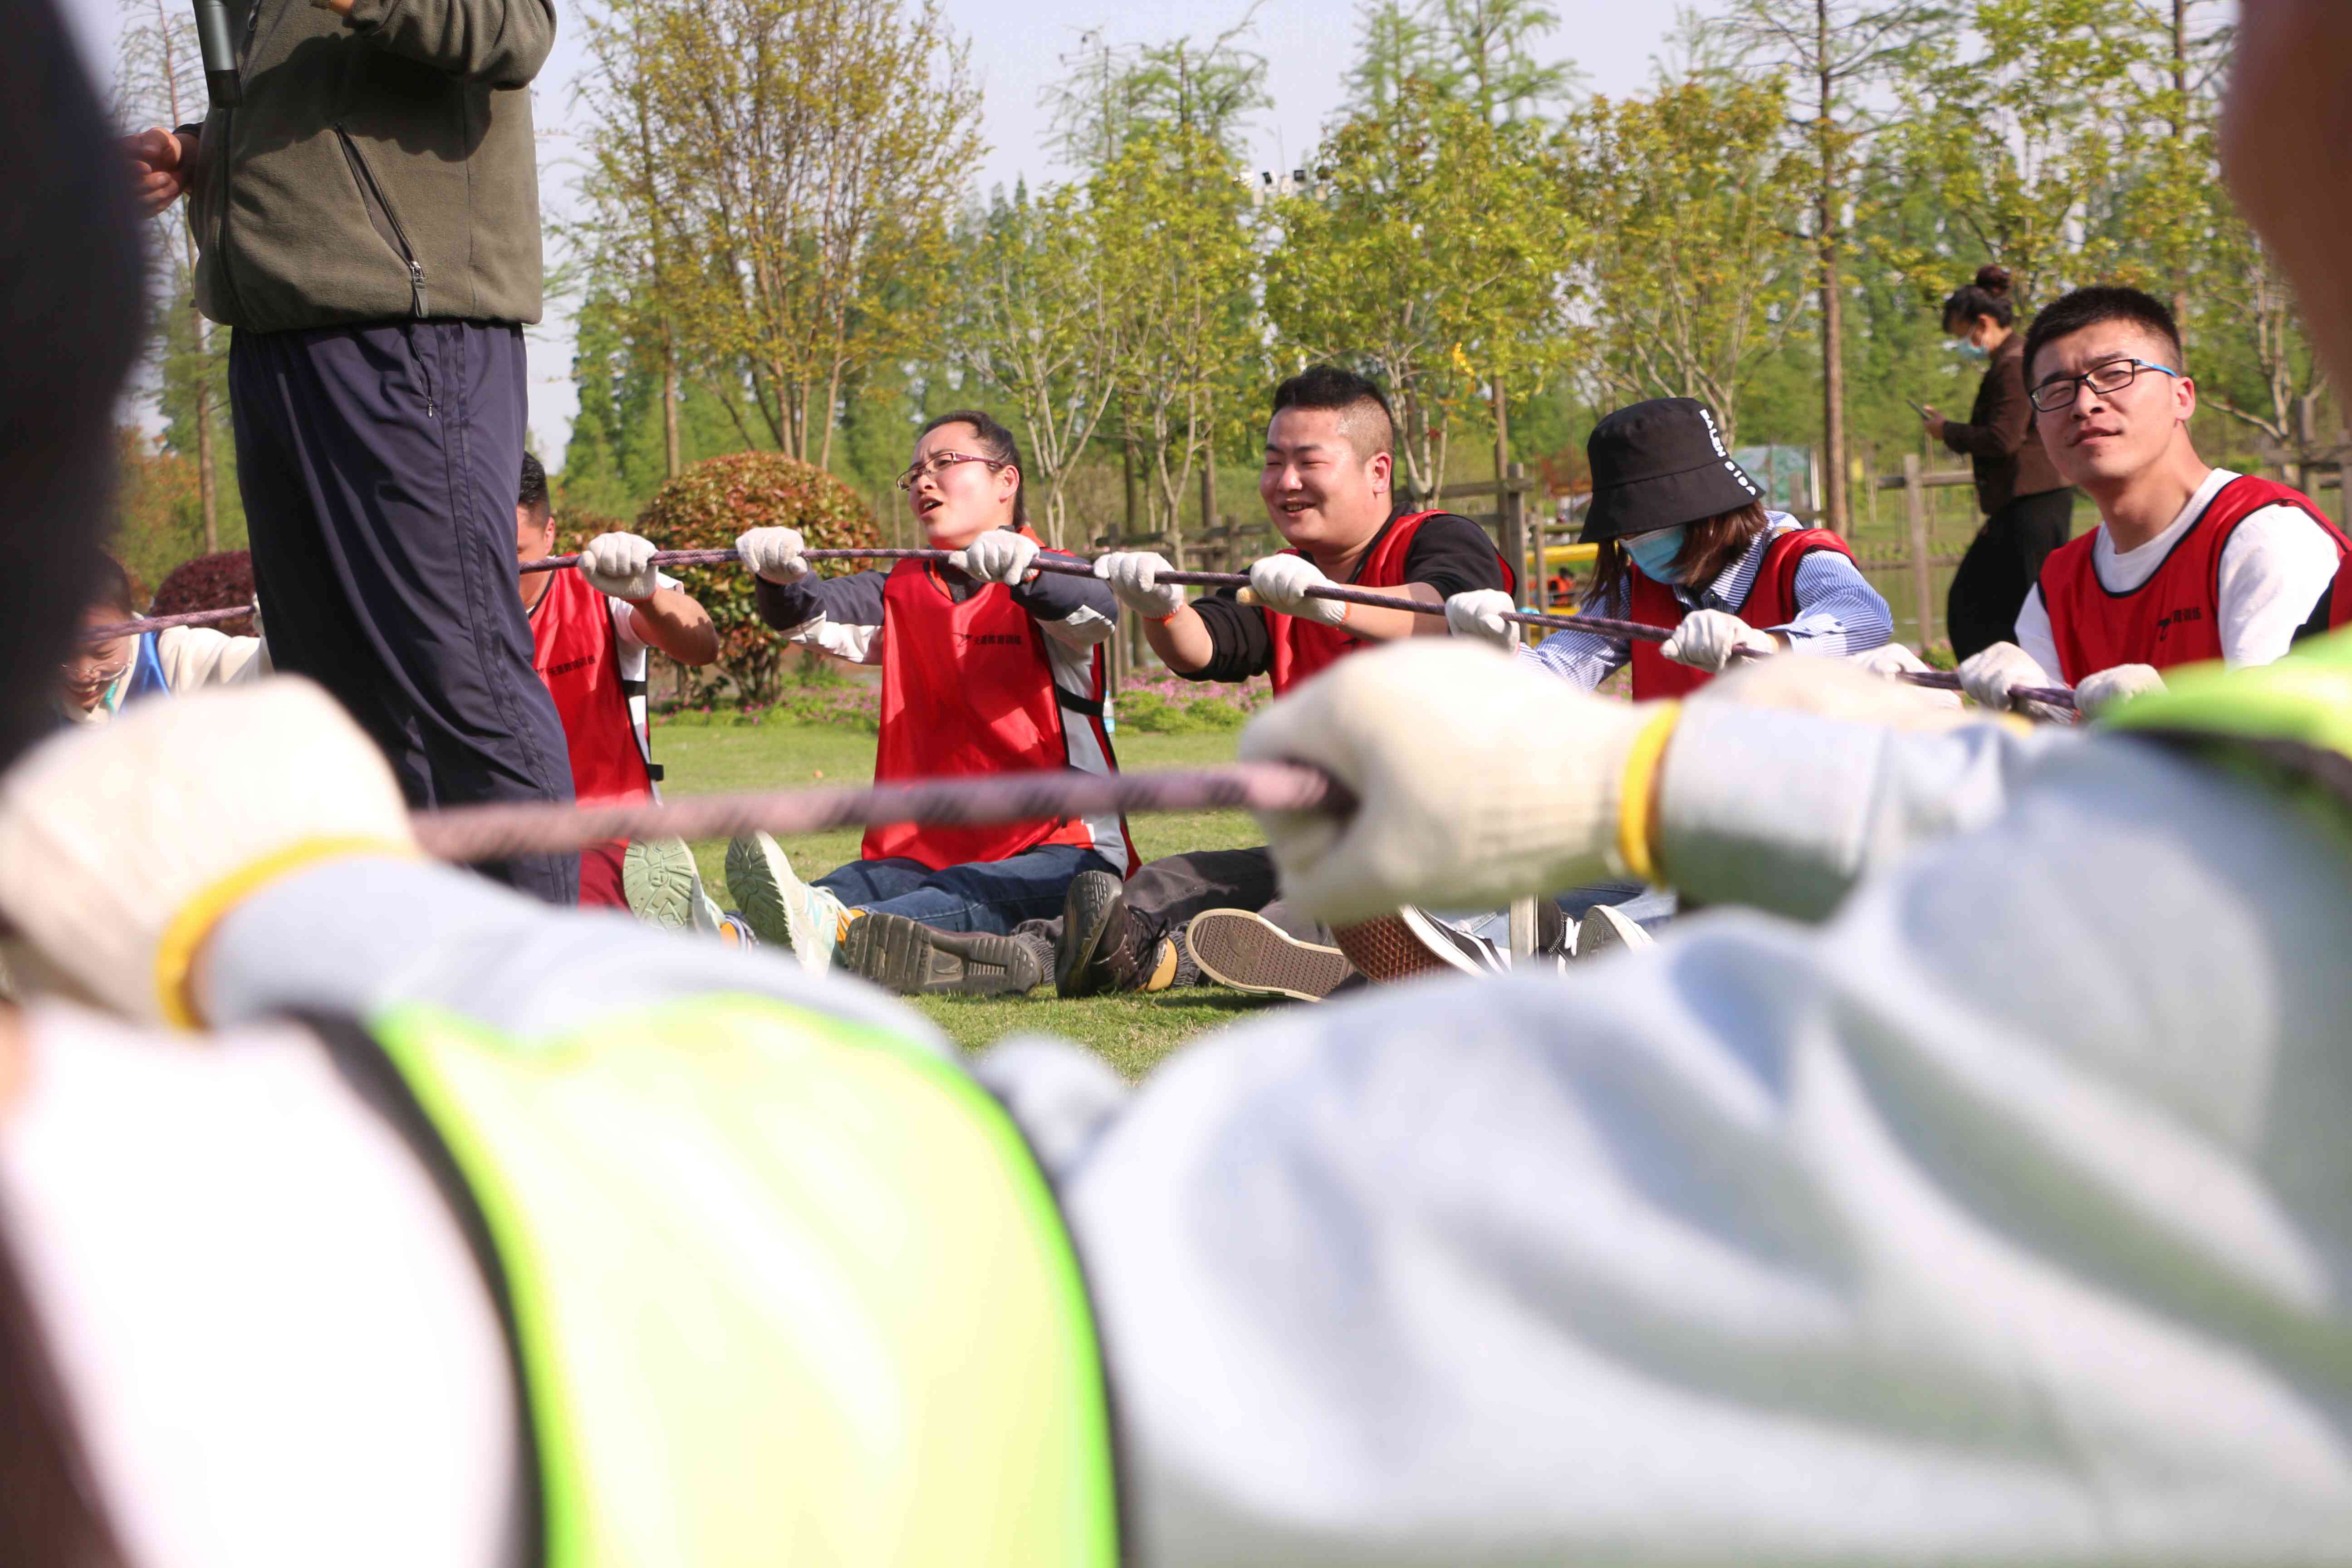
<point>988,666</point>
<point>2189,562</point>
<point>2028,509</point>
<point>101,677</point>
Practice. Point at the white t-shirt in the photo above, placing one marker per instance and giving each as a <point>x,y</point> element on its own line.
<point>277,1347</point>
<point>2273,570</point>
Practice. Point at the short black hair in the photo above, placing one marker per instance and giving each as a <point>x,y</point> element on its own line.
<point>2097,305</point>
<point>533,493</point>
<point>114,589</point>
<point>1337,387</point>
<point>997,445</point>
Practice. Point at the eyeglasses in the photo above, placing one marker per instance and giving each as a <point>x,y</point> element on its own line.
<point>2060,391</point>
<point>939,463</point>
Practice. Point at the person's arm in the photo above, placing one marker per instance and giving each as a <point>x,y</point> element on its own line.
<point>1907,1238</point>
<point>1585,659</point>
<point>500,42</point>
<point>2034,633</point>
<point>199,656</point>
<point>1839,614</point>
<point>840,616</point>
<point>2277,565</point>
<point>2009,415</point>
<point>674,621</point>
<point>1076,611</point>
<point>1449,555</point>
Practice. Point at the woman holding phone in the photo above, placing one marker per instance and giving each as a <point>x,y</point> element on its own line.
<point>2028,509</point>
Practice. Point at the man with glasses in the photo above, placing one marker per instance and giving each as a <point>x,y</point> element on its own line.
<point>2189,562</point>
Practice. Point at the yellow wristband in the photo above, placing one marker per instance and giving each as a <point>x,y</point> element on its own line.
<point>1639,786</point>
<point>175,954</point>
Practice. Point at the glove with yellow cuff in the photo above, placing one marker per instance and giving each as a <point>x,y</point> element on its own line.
<point>127,845</point>
<point>1479,779</point>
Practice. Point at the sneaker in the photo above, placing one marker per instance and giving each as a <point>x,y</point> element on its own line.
<point>912,958</point>
<point>783,909</point>
<point>1094,928</point>
<point>659,879</point>
<point>1412,942</point>
<point>1604,927</point>
<point>1243,949</point>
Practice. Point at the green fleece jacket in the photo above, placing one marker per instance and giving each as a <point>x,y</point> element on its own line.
<point>380,166</point>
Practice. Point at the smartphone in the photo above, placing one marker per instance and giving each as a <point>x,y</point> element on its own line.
<point>1920,409</point>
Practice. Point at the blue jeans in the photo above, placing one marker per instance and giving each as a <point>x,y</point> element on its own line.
<point>984,894</point>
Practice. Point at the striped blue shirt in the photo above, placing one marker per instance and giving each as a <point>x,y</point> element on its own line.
<point>1839,614</point>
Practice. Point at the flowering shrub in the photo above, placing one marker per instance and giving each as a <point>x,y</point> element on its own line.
<point>218,581</point>
<point>706,507</point>
<point>1170,705</point>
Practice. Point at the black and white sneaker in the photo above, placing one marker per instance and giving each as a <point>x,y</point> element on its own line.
<point>1413,943</point>
<point>915,959</point>
<point>1604,927</point>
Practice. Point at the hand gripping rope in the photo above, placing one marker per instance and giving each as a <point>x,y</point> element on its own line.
<point>1634,631</point>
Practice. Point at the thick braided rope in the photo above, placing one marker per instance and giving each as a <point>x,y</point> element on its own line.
<point>469,833</point>
<point>1598,626</point>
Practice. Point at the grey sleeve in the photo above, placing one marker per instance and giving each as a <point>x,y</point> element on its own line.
<point>1841,799</point>
<point>501,43</point>
<point>1057,595</point>
<point>2003,1218</point>
<point>358,937</point>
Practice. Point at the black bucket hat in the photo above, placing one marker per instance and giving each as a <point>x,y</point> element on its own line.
<point>1660,464</point>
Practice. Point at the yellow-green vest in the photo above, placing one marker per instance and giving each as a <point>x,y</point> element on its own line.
<point>781,1289</point>
<point>2292,718</point>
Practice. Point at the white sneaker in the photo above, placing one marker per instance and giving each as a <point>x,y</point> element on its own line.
<point>1603,927</point>
<point>782,910</point>
<point>664,888</point>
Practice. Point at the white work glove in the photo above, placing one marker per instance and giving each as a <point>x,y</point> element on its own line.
<point>1134,579</point>
<point>1280,582</point>
<point>1853,691</point>
<point>1479,614</point>
<point>126,844</point>
<point>2099,692</point>
<point>773,552</point>
<point>621,565</point>
<point>1988,678</point>
<point>1479,780</point>
<point>1711,639</point>
<point>1000,555</point>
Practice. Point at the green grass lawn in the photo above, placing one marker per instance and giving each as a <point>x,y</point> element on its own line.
<point>1130,1032</point>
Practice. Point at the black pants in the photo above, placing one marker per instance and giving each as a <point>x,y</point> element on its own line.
<point>1164,895</point>
<point>379,466</point>
<point>2002,563</point>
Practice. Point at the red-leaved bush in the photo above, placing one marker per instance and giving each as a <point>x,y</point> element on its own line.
<point>706,507</point>
<point>210,582</point>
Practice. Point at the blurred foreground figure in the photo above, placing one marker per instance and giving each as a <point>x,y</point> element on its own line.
<point>1982,1223</point>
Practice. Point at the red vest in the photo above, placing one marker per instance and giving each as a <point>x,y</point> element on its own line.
<point>2174,618</point>
<point>576,654</point>
<point>969,689</point>
<point>1771,602</point>
<point>1302,649</point>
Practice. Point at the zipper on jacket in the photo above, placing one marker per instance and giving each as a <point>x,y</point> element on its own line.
<point>378,203</point>
<point>228,163</point>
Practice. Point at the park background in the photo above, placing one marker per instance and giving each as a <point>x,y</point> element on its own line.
<point>782,232</point>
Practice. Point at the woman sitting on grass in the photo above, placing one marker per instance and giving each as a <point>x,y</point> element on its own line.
<point>988,666</point>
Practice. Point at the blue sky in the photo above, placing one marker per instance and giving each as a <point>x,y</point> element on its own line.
<point>1018,47</point>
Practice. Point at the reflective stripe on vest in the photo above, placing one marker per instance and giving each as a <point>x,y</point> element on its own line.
<point>578,657</point>
<point>2175,617</point>
<point>969,689</point>
<point>1771,602</point>
<point>784,1288</point>
<point>1303,649</point>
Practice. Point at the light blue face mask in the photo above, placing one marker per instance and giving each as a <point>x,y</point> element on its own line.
<point>1655,553</point>
<point>1969,349</point>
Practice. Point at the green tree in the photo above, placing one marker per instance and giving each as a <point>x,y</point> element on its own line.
<point>1701,272</point>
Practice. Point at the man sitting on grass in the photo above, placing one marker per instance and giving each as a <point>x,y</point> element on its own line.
<point>988,666</point>
<point>1328,486</point>
<point>590,630</point>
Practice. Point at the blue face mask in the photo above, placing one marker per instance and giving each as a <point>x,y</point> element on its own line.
<point>1655,553</point>
<point>1969,349</point>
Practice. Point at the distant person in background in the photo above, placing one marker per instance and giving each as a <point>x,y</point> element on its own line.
<point>590,631</point>
<point>2029,509</point>
<point>102,677</point>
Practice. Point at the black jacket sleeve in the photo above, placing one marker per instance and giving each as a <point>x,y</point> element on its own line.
<point>1241,643</point>
<point>852,601</point>
<point>1058,595</point>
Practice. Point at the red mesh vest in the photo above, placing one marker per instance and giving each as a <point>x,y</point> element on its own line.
<point>2174,618</point>
<point>579,658</point>
<point>1301,648</point>
<point>1771,602</point>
